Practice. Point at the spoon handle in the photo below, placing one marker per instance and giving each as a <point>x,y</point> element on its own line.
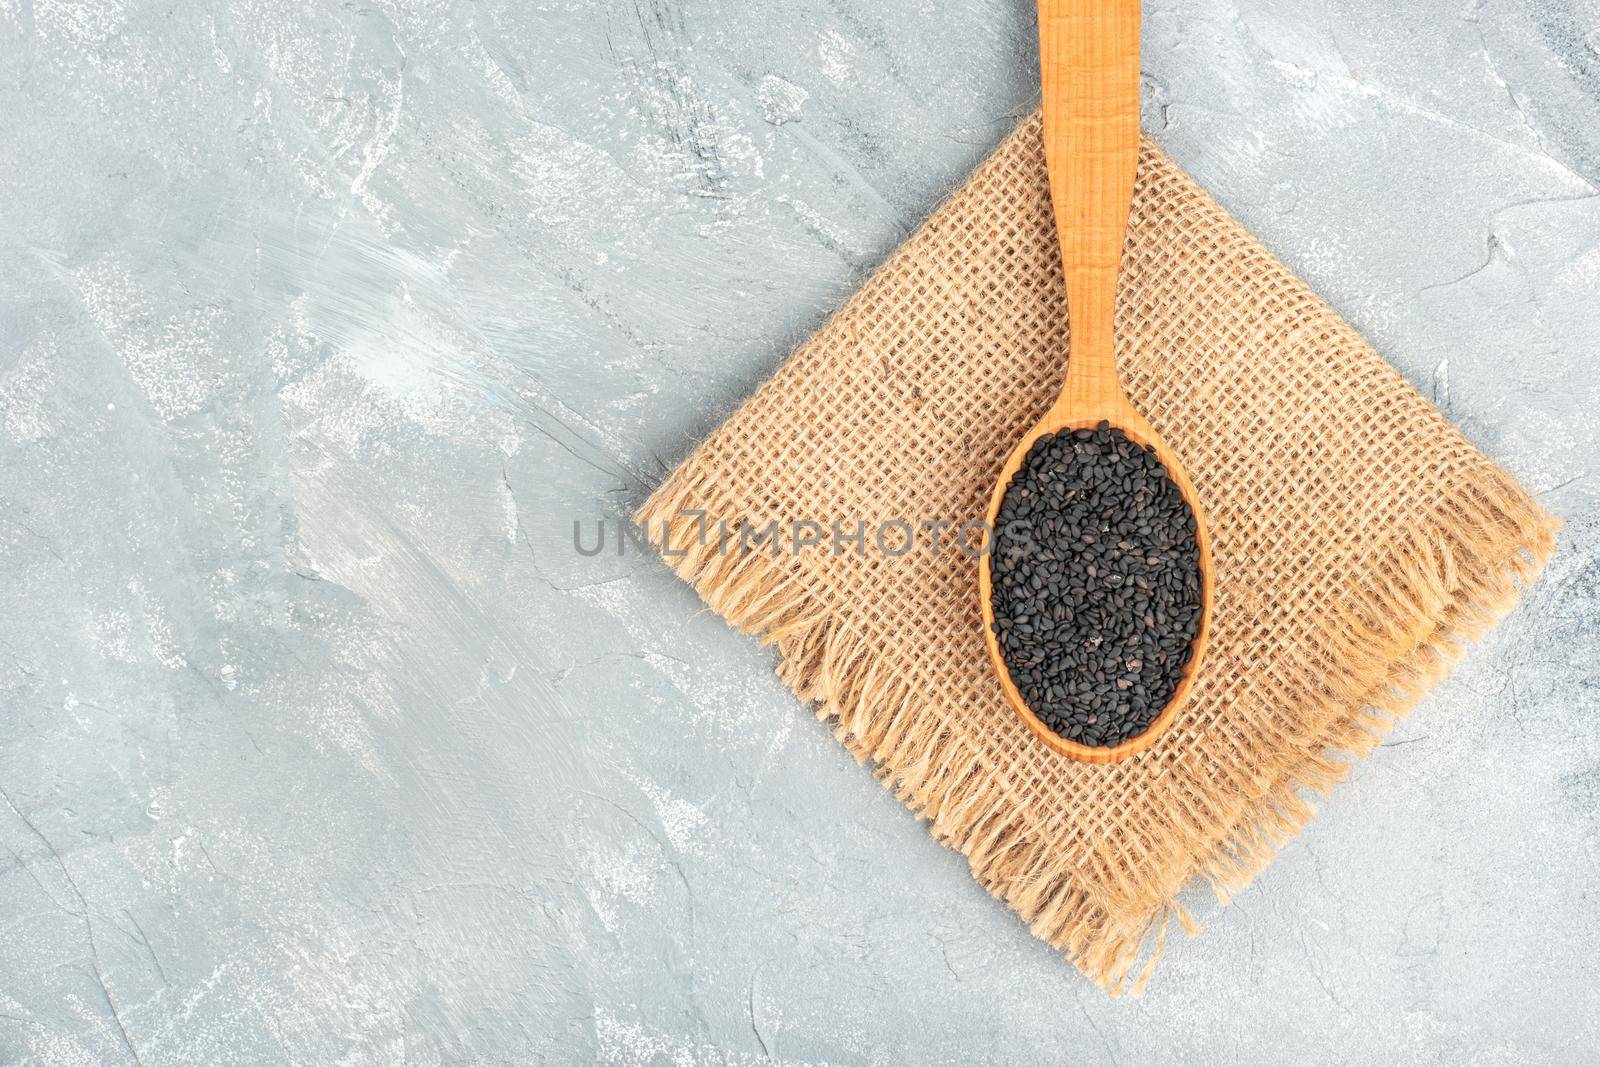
<point>1089,67</point>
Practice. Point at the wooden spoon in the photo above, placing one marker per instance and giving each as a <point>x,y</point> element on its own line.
<point>1089,63</point>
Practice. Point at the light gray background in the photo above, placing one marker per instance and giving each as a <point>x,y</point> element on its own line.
<point>319,325</point>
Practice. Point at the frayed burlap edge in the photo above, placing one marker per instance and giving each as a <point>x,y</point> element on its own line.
<point>1445,586</point>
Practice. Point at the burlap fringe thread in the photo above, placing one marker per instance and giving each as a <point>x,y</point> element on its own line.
<point>1391,651</point>
<point>1440,589</point>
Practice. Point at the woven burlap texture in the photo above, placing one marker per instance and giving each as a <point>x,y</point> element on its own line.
<point>1358,542</point>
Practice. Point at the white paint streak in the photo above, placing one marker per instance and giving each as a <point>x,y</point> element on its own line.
<point>836,55</point>
<point>780,99</point>
<point>24,388</point>
<point>169,354</point>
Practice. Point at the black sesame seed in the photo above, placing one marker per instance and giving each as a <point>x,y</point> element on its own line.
<point>1097,599</point>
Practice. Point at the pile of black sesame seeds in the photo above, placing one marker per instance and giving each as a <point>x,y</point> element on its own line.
<point>1096,586</point>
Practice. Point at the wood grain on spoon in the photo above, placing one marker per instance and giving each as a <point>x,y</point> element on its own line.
<point>1089,67</point>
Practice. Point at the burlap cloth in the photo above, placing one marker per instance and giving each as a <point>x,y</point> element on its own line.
<point>1358,542</point>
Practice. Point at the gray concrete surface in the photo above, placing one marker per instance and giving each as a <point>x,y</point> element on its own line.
<point>319,325</point>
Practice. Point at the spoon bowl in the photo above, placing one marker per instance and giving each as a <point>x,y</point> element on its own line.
<point>1089,69</point>
<point>1140,432</point>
